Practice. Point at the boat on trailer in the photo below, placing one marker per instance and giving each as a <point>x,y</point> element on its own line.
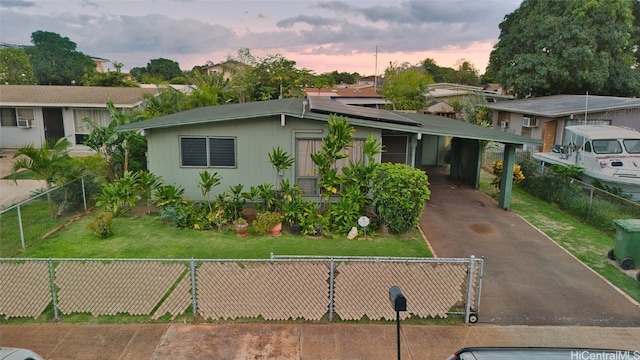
<point>606,153</point>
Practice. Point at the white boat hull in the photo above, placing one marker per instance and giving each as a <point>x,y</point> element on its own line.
<point>627,180</point>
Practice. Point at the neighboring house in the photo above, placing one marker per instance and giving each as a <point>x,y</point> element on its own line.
<point>234,140</point>
<point>227,68</point>
<point>100,62</point>
<point>546,117</point>
<point>440,108</point>
<point>361,96</point>
<point>455,92</point>
<point>31,114</point>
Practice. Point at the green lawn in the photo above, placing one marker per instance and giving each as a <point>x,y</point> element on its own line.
<point>147,236</point>
<point>584,242</point>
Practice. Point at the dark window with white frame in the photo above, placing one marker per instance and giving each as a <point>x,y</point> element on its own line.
<point>207,151</point>
<point>8,117</point>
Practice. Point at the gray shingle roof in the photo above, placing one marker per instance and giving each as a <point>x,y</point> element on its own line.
<point>75,96</point>
<point>387,120</point>
<point>565,105</point>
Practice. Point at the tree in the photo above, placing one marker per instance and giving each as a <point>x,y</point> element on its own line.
<point>45,163</point>
<point>110,78</point>
<point>568,47</point>
<point>120,149</point>
<point>55,59</point>
<point>467,74</point>
<point>275,77</point>
<point>164,68</point>
<point>406,87</point>
<point>15,68</point>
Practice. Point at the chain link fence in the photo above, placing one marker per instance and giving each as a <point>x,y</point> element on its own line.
<point>280,288</point>
<point>597,207</point>
<point>30,221</point>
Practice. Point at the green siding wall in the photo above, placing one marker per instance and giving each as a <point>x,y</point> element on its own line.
<point>254,140</point>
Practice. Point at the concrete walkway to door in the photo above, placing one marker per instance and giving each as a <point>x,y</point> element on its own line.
<point>528,278</point>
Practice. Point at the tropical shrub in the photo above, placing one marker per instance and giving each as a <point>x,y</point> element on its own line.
<point>264,222</point>
<point>518,175</point>
<point>399,193</point>
<point>101,225</point>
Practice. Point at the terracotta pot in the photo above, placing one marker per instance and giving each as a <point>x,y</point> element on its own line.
<point>241,229</point>
<point>276,230</point>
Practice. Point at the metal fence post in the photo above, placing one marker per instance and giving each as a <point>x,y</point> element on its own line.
<point>84,194</point>
<point>467,309</point>
<point>21,228</point>
<point>331,273</point>
<point>54,295</point>
<point>479,283</point>
<point>194,300</point>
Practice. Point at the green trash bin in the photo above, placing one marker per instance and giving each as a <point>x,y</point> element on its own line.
<point>626,248</point>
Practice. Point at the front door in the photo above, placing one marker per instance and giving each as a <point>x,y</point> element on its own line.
<point>53,124</point>
<point>549,135</point>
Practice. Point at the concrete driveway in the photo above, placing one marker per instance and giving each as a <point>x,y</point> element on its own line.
<point>528,278</point>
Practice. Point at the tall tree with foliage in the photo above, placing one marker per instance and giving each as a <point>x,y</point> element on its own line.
<point>56,61</point>
<point>276,77</point>
<point>45,163</point>
<point>15,68</point>
<point>164,68</point>
<point>110,78</point>
<point>406,87</point>
<point>124,151</point>
<point>551,47</point>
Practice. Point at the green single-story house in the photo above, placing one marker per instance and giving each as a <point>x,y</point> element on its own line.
<point>234,140</point>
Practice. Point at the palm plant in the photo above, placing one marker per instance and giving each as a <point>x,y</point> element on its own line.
<point>207,182</point>
<point>149,182</point>
<point>281,160</point>
<point>45,163</point>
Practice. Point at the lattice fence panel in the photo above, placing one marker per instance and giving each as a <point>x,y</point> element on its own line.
<point>117,287</point>
<point>277,291</point>
<point>25,289</point>
<point>177,302</point>
<point>362,288</point>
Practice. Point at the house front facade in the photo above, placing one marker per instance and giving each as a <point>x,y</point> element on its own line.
<point>545,118</point>
<point>234,140</point>
<point>35,114</point>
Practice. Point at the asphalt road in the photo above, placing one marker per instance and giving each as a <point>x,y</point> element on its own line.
<point>528,278</point>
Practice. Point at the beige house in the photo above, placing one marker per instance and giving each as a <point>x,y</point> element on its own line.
<point>545,118</point>
<point>33,114</point>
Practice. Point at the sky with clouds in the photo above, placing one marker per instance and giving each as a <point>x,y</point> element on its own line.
<point>321,36</point>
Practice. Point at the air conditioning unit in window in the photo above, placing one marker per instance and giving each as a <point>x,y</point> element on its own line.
<point>24,123</point>
<point>504,124</point>
<point>529,122</point>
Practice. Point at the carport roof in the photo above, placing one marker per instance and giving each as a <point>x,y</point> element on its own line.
<point>319,109</point>
<point>565,105</point>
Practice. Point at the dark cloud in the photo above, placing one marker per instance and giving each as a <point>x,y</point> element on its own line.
<point>16,4</point>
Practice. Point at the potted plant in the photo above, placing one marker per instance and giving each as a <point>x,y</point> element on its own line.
<point>268,223</point>
<point>241,227</point>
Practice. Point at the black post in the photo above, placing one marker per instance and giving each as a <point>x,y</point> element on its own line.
<point>398,331</point>
<point>399,303</point>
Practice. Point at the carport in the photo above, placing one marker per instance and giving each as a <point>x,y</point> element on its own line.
<point>465,153</point>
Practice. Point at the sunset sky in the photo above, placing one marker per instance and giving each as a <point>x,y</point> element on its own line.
<point>321,36</point>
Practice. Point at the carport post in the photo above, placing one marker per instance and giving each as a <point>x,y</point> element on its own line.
<point>506,183</point>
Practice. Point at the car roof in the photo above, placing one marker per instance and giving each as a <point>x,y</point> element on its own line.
<point>17,354</point>
<point>534,353</point>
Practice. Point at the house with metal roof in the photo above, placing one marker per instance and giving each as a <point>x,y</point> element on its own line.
<point>31,114</point>
<point>234,140</point>
<point>546,117</point>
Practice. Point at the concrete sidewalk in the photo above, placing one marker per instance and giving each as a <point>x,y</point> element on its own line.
<point>295,341</point>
